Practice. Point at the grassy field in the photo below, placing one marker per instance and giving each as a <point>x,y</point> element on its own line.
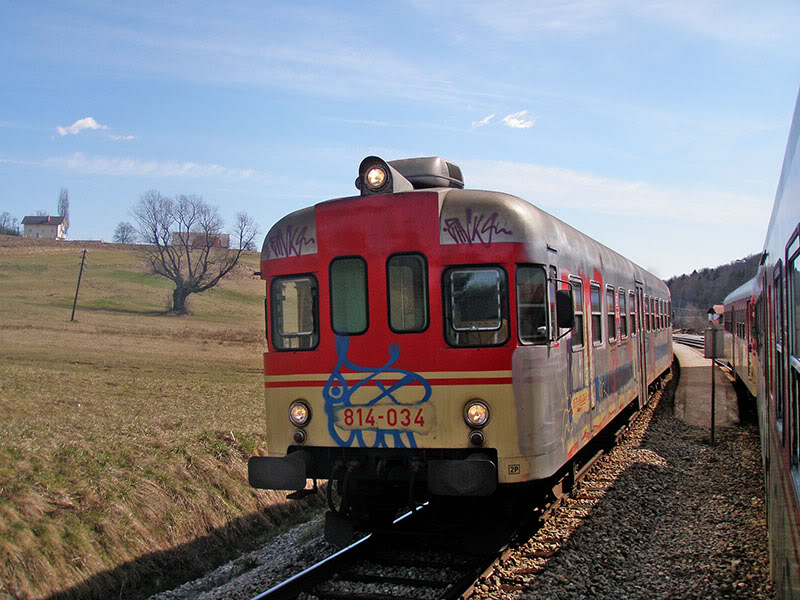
<point>124,434</point>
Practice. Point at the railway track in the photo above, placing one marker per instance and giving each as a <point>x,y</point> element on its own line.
<point>694,341</point>
<point>444,550</point>
<point>419,556</point>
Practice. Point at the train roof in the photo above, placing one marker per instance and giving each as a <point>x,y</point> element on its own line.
<point>517,220</point>
<point>747,290</point>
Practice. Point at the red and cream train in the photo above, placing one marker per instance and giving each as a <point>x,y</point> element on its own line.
<point>426,340</point>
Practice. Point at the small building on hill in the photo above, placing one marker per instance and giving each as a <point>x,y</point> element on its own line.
<point>198,240</point>
<point>44,227</point>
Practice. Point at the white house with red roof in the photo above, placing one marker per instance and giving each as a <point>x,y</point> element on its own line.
<point>44,227</point>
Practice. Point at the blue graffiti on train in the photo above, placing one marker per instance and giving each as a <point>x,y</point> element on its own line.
<point>661,351</point>
<point>338,394</point>
<point>607,385</point>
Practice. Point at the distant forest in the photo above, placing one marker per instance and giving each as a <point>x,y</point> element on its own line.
<point>693,295</point>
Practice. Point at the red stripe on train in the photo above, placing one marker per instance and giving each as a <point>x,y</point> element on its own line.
<point>389,383</point>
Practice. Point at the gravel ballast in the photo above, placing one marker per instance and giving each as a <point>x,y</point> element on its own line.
<point>664,515</point>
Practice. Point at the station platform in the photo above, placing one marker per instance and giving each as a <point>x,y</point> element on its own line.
<point>693,394</point>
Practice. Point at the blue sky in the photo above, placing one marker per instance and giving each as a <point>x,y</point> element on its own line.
<point>657,128</point>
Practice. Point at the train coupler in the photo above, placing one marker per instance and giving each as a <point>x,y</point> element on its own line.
<point>474,476</point>
<point>284,473</point>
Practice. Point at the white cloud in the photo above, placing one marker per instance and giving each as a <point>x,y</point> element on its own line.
<point>103,165</point>
<point>667,229</point>
<point>122,138</point>
<point>517,120</point>
<point>483,121</point>
<point>556,189</point>
<point>80,125</point>
<point>731,22</point>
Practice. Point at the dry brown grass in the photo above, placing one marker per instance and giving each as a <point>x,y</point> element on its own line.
<point>125,434</point>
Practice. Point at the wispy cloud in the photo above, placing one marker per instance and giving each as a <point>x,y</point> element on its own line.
<point>734,23</point>
<point>483,121</point>
<point>517,120</point>
<point>122,138</point>
<point>555,189</point>
<point>80,125</point>
<point>729,22</point>
<point>104,165</point>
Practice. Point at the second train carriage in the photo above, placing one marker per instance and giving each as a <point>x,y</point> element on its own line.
<point>741,333</point>
<point>428,340</point>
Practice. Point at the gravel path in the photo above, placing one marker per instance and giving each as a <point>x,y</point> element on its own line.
<point>664,515</point>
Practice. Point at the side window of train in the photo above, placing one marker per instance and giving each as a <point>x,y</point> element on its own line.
<point>294,312</point>
<point>349,295</point>
<point>793,296</point>
<point>577,299</point>
<point>647,313</point>
<point>407,293</point>
<point>552,294</point>
<point>623,315</point>
<point>476,305</point>
<point>632,308</point>
<point>611,314</point>
<point>532,305</point>
<point>653,314</point>
<point>793,273</point>
<point>597,314</point>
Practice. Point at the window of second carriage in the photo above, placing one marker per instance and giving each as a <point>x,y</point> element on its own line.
<point>407,292</point>
<point>348,284</point>
<point>532,305</point>
<point>632,308</point>
<point>476,306</point>
<point>577,329</point>
<point>597,313</point>
<point>623,315</point>
<point>611,314</point>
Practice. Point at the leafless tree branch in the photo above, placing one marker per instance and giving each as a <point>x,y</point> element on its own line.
<point>186,243</point>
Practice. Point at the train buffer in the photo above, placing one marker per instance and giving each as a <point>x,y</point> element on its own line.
<point>693,394</point>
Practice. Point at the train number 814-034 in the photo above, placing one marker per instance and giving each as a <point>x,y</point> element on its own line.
<point>382,416</point>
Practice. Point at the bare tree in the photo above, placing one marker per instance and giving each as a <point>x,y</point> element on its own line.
<point>8,225</point>
<point>185,242</point>
<point>125,233</point>
<point>63,208</point>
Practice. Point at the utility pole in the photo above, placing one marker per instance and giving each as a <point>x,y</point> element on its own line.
<point>74,304</point>
<point>714,348</point>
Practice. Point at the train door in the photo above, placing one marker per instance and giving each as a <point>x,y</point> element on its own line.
<point>642,344</point>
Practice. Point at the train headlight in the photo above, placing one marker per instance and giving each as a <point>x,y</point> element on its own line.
<point>476,413</point>
<point>375,178</point>
<point>299,413</point>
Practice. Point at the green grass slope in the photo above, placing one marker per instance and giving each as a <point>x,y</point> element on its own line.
<point>124,434</point>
